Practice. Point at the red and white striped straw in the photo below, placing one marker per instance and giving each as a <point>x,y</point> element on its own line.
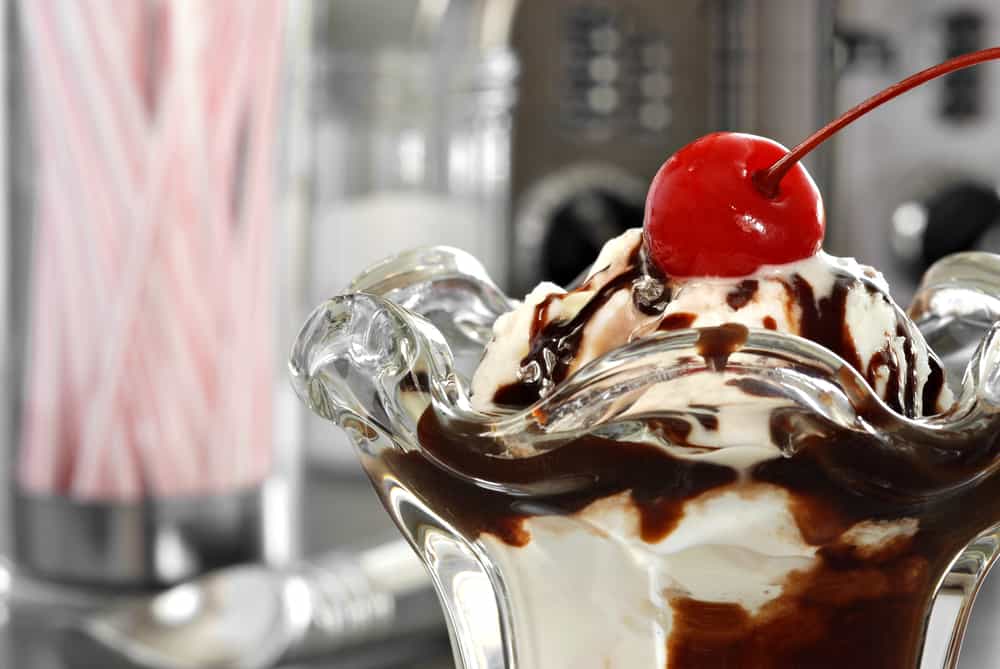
<point>150,350</point>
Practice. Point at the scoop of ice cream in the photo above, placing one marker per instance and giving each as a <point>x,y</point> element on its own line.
<point>835,302</point>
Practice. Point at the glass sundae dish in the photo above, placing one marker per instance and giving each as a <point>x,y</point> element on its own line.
<point>723,448</point>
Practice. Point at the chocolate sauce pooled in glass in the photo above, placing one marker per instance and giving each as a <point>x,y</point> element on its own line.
<point>852,609</point>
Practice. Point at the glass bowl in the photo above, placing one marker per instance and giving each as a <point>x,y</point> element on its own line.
<point>618,523</point>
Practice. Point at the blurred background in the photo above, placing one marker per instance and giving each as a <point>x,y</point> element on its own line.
<point>183,181</point>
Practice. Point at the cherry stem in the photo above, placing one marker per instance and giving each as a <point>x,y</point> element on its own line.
<point>767,181</point>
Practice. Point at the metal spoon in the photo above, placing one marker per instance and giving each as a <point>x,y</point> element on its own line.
<point>251,617</point>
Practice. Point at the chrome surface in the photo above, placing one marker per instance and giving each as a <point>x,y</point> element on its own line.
<point>610,88</point>
<point>251,617</point>
<point>893,160</point>
<point>151,543</point>
<point>41,623</point>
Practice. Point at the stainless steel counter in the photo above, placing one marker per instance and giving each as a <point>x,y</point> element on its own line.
<point>338,510</point>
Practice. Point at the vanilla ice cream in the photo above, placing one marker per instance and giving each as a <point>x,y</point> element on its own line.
<point>835,302</point>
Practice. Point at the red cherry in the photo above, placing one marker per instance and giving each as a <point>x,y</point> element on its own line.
<point>728,203</point>
<point>706,217</point>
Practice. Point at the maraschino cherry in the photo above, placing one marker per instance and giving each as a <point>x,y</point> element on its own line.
<point>728,202</point>
<point>705,216</point>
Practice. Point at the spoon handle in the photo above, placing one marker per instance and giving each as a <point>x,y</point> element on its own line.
<point>380,594</point>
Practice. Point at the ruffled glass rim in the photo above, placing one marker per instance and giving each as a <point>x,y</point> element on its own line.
<point>411,328</point>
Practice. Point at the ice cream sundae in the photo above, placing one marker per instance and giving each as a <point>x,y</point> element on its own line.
<point>722,448</point>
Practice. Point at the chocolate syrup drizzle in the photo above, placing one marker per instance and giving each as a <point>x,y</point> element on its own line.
<point>851,609</point>
<point>554,344</point>
<point>676,321</point>
<point>740,296</point>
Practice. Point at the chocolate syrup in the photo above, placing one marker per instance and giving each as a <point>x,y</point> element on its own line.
<point>676,321</point>
<point>675,427</point>
<point>554,344</point>
<point>517,394</point>
<point>756,387</point>
<point>885,359</point>
<point>825,321</point>
<point>715,345</point>
<point>933,386</point>
<point>741,295</point>
<point>909,398</point>
<point>706,415</point>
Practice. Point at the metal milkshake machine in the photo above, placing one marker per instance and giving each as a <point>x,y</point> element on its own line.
<point>609,89</point>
